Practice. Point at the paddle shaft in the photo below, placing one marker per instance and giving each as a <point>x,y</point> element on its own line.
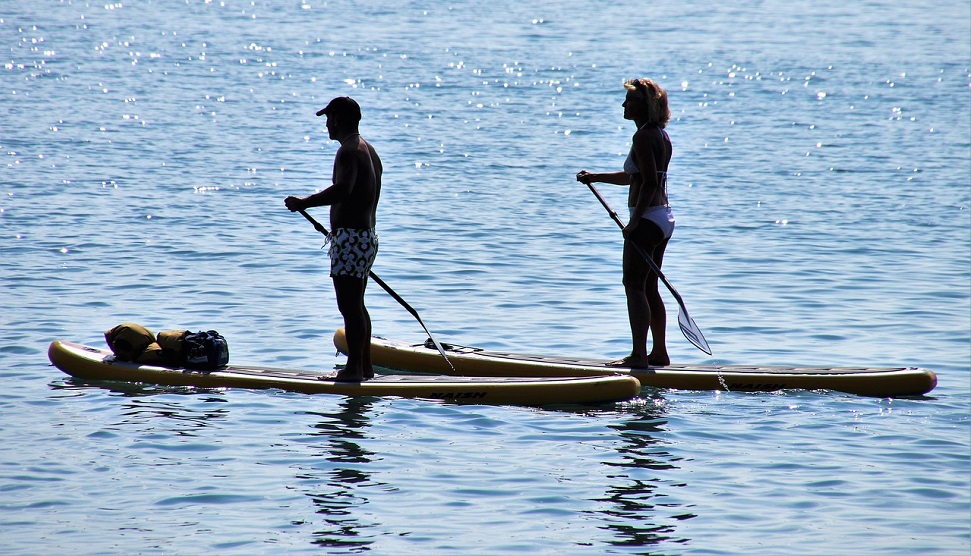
<point>320,228</point>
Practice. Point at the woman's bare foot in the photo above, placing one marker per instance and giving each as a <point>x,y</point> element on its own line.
<point>658,360</point>
<point>630,361</point>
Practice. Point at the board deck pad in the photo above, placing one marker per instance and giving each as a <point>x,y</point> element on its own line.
<point>470,361</point>
<point>93,363</point>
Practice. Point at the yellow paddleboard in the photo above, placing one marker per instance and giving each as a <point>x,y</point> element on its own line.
<point>90,363</point>
<point>469,361</point>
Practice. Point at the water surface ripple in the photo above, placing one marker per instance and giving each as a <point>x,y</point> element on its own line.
<point>821,182</point>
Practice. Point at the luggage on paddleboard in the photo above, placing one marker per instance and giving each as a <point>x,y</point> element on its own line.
<point>204,350</point>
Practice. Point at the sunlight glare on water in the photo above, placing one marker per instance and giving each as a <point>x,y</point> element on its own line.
<point>821,187</point>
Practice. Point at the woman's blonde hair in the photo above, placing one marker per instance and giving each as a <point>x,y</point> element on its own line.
<point>655,99</point>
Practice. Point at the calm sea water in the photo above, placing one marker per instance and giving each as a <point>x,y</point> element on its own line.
<point>822,184</point>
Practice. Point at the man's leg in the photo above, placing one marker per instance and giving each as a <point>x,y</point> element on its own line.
<point>357,326</point>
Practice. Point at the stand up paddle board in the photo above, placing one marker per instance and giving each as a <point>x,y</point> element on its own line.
<point>92,363</point>
<point>470,361</point>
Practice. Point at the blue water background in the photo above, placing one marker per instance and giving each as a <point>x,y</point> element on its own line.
<point>822,185</point>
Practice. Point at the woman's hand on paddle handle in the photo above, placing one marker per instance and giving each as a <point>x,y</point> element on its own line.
<point>584,177</point>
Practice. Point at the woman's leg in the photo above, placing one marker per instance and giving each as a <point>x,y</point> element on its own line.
<point>636,274</point>
<point>659,317</point>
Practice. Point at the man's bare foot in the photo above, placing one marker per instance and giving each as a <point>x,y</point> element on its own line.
<point>630,361</point>
<point>345,375</point>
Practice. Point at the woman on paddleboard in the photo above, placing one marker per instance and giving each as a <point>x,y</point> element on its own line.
<point>651,220</point>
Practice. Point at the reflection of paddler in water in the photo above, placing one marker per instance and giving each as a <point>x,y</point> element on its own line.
<point>340,484</point>
<point>651,220</point>
<point>353,200</point>
<point>641,515</point>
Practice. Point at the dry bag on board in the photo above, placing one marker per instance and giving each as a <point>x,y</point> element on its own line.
<point>156,356</point>
<point>205,350</point>
<point>172,343</point>
<point>128,340</point>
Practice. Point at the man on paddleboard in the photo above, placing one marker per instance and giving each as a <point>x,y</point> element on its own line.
<point>651,220</point>
<point>353,200</point>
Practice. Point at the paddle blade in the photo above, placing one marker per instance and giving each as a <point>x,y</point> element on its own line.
<point>692,332</point>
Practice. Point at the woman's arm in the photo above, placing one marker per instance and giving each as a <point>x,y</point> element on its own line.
<point>615,178</point>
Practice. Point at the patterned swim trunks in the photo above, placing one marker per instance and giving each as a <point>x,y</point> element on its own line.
<point>352,251</point>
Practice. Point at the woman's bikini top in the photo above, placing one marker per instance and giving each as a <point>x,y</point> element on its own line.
<point>629,165</point>
<point>631,168</point>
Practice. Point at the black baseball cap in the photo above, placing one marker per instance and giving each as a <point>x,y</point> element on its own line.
<point>343,106</point>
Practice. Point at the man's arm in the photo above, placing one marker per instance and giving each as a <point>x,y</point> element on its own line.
<point>345,176</point>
